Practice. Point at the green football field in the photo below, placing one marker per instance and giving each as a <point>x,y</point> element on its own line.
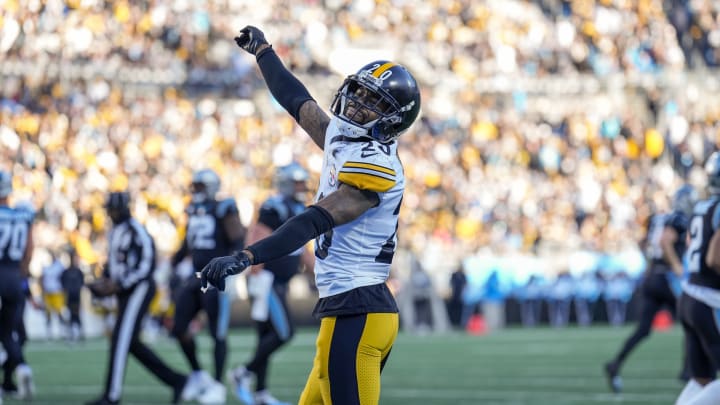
<point>514,366</point>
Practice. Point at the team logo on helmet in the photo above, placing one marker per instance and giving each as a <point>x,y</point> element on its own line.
<point>380,101</point>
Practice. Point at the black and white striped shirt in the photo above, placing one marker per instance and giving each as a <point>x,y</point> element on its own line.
<point>131,254</point>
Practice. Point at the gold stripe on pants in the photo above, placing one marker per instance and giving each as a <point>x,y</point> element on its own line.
<point>350,353</point>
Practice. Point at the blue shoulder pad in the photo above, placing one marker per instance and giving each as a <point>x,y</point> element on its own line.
<point>678,221</point>
<point>27,214</point>
<point>276,204</point>
<point>226,207</point>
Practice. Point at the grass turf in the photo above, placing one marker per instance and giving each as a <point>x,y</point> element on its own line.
<point>513,366</point>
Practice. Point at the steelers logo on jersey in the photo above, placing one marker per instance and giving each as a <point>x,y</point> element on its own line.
<point>332,178</point>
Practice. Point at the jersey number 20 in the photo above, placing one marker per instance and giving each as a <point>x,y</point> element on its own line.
<point>387,251</point>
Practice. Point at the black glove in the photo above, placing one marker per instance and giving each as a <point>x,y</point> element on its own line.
<point>250,39</point>
<point>220,268</point>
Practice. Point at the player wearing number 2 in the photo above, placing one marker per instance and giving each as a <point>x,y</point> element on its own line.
<point>354,219</point>
<point>213,228</point>
<point>665,244</point>
<point>16,246</point>
<point>699,306</point>
<point>268,286</point>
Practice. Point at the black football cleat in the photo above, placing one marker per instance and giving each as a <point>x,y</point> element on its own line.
<point>9,389</point>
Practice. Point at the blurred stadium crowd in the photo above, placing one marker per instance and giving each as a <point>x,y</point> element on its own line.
<point>548,127</point>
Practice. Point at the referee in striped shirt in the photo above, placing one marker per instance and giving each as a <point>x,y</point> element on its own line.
<point>129,275</point>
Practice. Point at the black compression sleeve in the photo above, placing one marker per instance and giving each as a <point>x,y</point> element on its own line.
<point>286,88</point>
<point>292,235</point>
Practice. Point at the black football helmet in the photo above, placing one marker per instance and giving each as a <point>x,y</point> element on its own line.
<point>712,169</point>
<point>384,88</point>
<point>684,199</point>
<point>286,179</point>
<point>205,184</point>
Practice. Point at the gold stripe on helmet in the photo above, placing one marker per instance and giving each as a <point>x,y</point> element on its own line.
<point>382,68</point>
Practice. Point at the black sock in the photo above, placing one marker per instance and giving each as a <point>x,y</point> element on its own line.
<point>188,347</point>
<point>220,356</point>
<point>7,378</point>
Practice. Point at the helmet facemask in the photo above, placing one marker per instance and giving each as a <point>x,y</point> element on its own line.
<point>291,182</point>
<point>198,193</point>
<point>684,200</point>
<point>712,169</point>
<point>205,185</point>
<point>367,108</point>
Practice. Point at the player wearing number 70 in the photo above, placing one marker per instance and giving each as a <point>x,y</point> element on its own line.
<point>354,219</point>
<point>16,247</point>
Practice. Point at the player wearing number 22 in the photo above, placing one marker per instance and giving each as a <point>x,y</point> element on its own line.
<point>213,228</point>
<point>665,244</point>
<point>699,306</point>
<point>354,219</point>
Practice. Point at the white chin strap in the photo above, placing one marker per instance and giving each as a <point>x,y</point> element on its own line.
<point>350,130</point>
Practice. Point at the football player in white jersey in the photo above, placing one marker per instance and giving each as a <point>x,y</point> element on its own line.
<point>353,221</point>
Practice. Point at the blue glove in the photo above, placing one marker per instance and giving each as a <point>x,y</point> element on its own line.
<point>250,39</point>
<point>220,268</point>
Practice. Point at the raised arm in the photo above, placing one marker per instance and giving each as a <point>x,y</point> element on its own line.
<point>284,86</point>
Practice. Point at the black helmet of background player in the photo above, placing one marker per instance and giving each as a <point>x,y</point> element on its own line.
<point>118,206</point>
<point>5,184</point>
<point>291,181</point>
<point>384,88</point>
<point>684,199</point>
<point>205,184</point>
<point>712,168</point>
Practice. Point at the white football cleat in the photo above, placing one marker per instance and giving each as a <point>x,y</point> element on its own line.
<point>240,380</point>
<point>196,384</point>
<point>26,386</point>
<point>215,393</point>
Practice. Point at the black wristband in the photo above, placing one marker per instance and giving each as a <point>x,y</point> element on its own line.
<point>263,52</point>
<point>292,235</point>
<point>243,258</point>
